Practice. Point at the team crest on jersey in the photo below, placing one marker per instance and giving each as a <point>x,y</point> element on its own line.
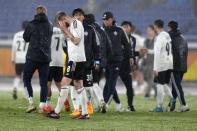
<point>115,33</point>
<point>86,33</point>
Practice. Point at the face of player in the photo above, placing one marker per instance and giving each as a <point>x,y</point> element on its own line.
<point>65,19</point>
<point>127,28</point>
<point>108,22</point>
<point>156,29</point>
<point>150,32</point>
<point>79,17</point>
<point>169,29</point>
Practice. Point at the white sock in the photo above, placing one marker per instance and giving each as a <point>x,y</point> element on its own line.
<point>167,90</point>
<point>83,100</point>
<point>62,98</point>
<point>42,104</point>
<point>98,92</point>
<point>31,101</point>
<point>26,94</point>
<point>16,82</point>
<point>74,97</point>
<point>90,93</point>
<point>160,95</point>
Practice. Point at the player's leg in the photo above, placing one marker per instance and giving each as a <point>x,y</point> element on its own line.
<point>176,81</point>
<point>29,70</point>
<point>43,76</point>
<point>49,83</point>
<point>16,80</point>
<point>78,83</point>
<point>75,101</point>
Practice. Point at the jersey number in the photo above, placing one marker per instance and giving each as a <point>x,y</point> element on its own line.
<point>58,43</point>
<point>21,44</point>
<point>168,48</point>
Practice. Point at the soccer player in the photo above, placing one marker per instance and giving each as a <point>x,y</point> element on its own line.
<point>163,63</point>
<point>74,32</point>
<point>58,47</point>
<point>180,52</point>
<point>19,50</point>
<point>38,33</point>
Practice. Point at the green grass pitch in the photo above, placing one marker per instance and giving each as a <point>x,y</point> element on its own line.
<point>14,118</point>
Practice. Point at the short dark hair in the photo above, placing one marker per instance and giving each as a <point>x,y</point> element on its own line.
<point>77,10</point>
<point>24,24</point>
<point>173,24</point>
<point>127,23</point>
<point>60,15</point>
<point>151,26</point>
<point>159,23</point>
<point>90,18</point>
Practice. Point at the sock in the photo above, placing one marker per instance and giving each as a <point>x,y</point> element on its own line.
<point>160,95</point>
<point>31,101</point>
<point>16,82</point>
<point>42,104</point>
<point>48,102</point>
<point>26,95</point>
<point>83,100</point>
<point>98,93</point>
<point>74,97</point>
<point>61,99</point>
<point>167,90</point>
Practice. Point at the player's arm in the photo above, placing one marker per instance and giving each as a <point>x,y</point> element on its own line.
<point>157,49</point>
<point>68,34</point>
<point>27,33</point>
<point>13,49</point>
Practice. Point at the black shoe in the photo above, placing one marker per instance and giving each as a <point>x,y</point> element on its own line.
<point>53,115</point>
<point>103,108</point>
<point>83,117</point>
<point>131,109</point>
<point>14,94</point>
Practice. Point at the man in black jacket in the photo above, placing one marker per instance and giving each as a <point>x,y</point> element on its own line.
<point>180,52</point>
<point>120,49</point>
<point>38,34</point>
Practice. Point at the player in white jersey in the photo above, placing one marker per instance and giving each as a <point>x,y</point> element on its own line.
<point>163,63</point>
<point>19,50</point>
<point>74,32</point>
<point>58,47</point>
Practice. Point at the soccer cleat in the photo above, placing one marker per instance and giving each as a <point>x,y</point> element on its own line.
<point>157,109</point>
<point>53,115</point>
<point>130,109</point>
<point>47,108</point>
<point>83,117</point>
<point>103,107</point>
<point>76,113</point>
<point>31,108</point>
<point>14,94</point>
<point>67,105</point>
<point>119,108</point>
<point>90,108</point>
<point>183,109</point>
<point>171,105</point>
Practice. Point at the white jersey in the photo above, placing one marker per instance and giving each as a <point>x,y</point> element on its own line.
<point>76,53</point>
<point>163,59</point>
<point>57,52</point>
<point>19,48</point>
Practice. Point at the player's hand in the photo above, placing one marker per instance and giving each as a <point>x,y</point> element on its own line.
<point>155,73</point>
<point>143,52</point>
<point>97,67</point>
<point>131,61</point>
<point>62,24</point>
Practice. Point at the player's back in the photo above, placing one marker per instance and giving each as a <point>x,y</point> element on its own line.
<point>57,53</point>
<point>163,52</point>
<point>19,48</point>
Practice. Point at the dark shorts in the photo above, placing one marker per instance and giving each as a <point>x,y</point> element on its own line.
<point>75,70</point>
<point>19,69</point>
<point>163,77</point>
<point>88,78</point>
<point>55,73</point>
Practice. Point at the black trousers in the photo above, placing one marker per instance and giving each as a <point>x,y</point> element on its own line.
<point>111,74</point>
<point>177,90</point>
<point>125,75</point>
<point>29,69</point>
